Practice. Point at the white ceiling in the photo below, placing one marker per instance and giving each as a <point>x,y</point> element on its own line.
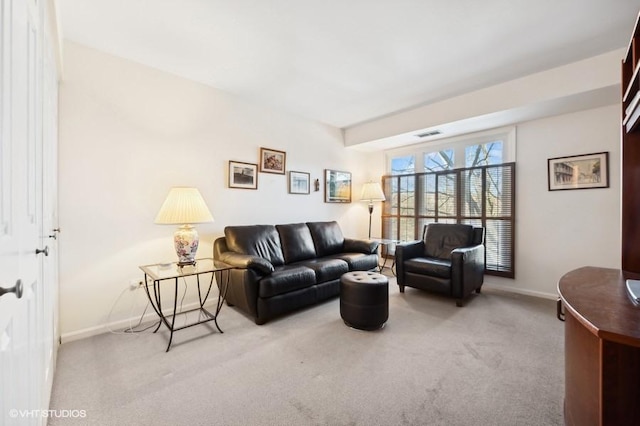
<point>344,62</point>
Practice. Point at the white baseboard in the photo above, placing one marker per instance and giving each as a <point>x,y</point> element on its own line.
<point>510,289</point>
<point>150,315</point>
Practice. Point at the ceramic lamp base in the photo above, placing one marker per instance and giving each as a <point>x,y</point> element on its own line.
<point>186,242</point>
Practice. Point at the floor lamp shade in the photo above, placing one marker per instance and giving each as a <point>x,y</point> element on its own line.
<point>371,193</point>
<point>184,206</point>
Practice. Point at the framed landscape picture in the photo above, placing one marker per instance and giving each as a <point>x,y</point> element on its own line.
<point>579,171</point>
<point>299,183</point>
<point>272,161</point>
<point>243,175</point>
<point>337,186</point>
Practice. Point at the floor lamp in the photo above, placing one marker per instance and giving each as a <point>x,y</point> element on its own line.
<point>372,192</point>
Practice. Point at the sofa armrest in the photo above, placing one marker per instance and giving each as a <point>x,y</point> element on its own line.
<point>404,252</point>
<point>360,246</point>
<point>467,270</point>
<point>246,261</point>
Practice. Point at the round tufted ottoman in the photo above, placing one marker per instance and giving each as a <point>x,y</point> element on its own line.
<point>364,299</point>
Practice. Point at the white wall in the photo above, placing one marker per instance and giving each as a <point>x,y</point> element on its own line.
<point>128,133</point>
<point>557,231</point>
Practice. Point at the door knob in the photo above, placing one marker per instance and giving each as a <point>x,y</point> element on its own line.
<point>45,250</point>
<point>16,289</point>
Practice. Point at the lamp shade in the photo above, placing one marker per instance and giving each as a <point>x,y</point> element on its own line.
<point>182,206</point>
<point>372,191</point>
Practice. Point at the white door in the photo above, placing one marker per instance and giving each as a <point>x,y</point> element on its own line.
<point>27,346</point>
<point>49,207</point>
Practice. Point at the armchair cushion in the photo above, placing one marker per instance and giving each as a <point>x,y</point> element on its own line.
<point>440,239</point>
<point>428,266</point>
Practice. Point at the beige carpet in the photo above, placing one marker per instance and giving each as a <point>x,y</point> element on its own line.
<point>496,361</point>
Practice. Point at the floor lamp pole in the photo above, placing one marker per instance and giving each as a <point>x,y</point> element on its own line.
<point>370,212</point>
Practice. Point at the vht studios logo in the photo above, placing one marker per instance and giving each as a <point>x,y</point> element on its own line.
<point>33,414</point>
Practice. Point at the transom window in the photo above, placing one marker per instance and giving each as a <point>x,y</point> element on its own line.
<point>403,165</point>
<point>439,160</point>
<point>485,154</point>
<point>484,149</point>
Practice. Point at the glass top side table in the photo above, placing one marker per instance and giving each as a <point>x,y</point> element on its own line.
<point>155,274</point>
<point>385,244</point>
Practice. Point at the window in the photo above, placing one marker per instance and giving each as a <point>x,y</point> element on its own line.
<point>479,196</point>
<point>403,165</point>
<point>439,160</point>
<point>467,180</point>
<point>483,154</point>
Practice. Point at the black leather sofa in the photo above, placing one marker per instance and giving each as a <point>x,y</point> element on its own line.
<point>281,268</point>
<point>449,260</point>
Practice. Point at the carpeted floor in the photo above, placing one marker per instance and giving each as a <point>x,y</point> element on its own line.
<point>496,361</point>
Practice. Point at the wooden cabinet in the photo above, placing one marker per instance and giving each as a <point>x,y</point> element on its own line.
<point>602,348</point>
<point>631,154</point>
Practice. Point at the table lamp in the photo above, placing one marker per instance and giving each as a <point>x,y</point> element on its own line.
<point>371,192</point>
<point>184,206</point>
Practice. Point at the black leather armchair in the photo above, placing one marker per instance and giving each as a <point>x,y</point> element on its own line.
<point>449,260</point>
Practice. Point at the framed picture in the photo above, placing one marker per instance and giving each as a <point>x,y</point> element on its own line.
<point>299,183</point>
<point>272,161</point>
<point>337,186</point>
<point>243,175</point>
<point>579,171</point>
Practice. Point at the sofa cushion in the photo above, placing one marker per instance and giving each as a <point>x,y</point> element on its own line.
<point>358,261</point>
<point>327,237</point>
<point>327,269</point>
<point>296,241</point>
<point>257,240</point>
<point>285,279</point>
<point>441,238</point>
<point>428,266</point>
